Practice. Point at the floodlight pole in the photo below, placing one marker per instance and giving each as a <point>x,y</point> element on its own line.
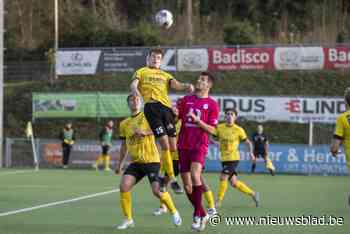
<point>56,37</point>
<point>1,80</point>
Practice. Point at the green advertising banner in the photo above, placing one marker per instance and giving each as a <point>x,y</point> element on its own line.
<point>79,105</point>
<point>112,105</point>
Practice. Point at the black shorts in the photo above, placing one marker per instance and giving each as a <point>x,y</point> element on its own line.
<point>161,119</point>
<point>229,168</point>
<point>175,168</point>
<point>260,154</point>
<point>140,170</point>
<point>105,149</point>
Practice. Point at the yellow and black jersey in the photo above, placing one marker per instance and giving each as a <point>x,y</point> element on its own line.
<point>229,138</point>
<point>342,132</point>
<point>154,85</point>
<point>141,149</point>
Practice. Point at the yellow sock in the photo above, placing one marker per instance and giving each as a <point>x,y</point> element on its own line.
<point>168,163</point>
<point>125,201</point>
<point>99,160</point>
<point>269,164</point>
<point>222,190</point>
<point>241,186</point>
<point>107,160</point>
<point>162,168</point>
<point>174,155</point>
<point>161,203</point>
<point>210,198</point>
<point>166,199</point>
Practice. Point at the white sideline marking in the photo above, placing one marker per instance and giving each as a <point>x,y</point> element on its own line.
<point>57,203</point>
<point>16,172</point>
<point>45,186</point>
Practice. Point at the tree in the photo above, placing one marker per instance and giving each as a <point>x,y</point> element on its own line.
<point>239,33</point>
<point>189,25</point>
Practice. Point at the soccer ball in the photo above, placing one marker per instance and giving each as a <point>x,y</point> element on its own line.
<point>164,19</point>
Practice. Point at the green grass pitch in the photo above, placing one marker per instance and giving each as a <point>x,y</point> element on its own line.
<point>282,195</point>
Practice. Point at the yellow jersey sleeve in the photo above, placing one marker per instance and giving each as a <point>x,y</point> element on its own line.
<point>137,74</point>
<point>242,134</point>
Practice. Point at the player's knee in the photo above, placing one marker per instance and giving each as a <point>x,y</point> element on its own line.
<point>223,177</point>
<point>196,180</point>
<point>188,189</point>
<point>166,179</point>
<point>195,172</point>
<point>124,188</point>
<point>156,192</point>
<point>172,144</point>
<point>164,142</point>
<point>234,183</point>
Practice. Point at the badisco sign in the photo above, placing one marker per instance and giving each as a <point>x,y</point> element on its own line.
<point>241,58</point>
<point>337,57</point>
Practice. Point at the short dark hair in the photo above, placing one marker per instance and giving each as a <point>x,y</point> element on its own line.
<point>231,110</point>
<point>129,96</point>
<point>156,50</point>
<point>211,77</point>
<point>347,95</point>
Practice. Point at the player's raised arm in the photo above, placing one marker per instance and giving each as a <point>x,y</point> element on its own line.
<point>134,87</point>
<point>179,86</point>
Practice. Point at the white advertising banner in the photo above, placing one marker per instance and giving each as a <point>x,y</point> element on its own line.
<point>299,58</point>
<point>77,62</point>
<point>192,59</point>
<point>284,109</point>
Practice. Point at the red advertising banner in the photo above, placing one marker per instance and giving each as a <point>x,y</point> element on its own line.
<point>337,57</point>
<point>241,58</point>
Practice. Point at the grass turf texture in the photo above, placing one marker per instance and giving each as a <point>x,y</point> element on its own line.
<point>282,195</point>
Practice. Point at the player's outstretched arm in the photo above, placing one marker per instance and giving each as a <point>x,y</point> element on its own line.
<point>134,87</point>
<point>178,86</point>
